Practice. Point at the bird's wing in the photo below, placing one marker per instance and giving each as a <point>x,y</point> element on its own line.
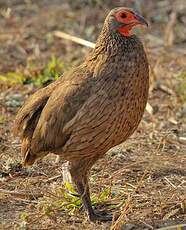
<point>27,117</point>
<point>60,108</point>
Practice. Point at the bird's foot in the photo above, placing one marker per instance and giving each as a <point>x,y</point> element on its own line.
<point>100,217</point>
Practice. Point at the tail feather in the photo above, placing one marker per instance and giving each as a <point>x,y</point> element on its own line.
<point>27,119</point>
<point>30,112</point>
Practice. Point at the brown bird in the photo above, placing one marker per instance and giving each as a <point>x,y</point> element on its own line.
<point>92,108</point>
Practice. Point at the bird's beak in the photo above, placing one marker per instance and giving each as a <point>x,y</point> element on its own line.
<point>140,20</point>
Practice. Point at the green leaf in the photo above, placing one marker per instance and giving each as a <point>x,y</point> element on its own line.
<point>70,187</point>
<point>104,194</point>
<point>24,216</point>
<point>12,78</point>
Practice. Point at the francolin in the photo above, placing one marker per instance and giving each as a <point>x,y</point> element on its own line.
<point>91,108</point>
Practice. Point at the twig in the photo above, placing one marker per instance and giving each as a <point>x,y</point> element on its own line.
<point>148,225</point>
<point>26,201</point>
<point>171,214</point>
<point>127,207</point>
<point>117,224</point>
<point>53,178</point>
<point>140,183</point>
<point>131,185</point>
<point>20,194</point>
<point>170,183</point>
<point>149,108</point>
<point>84,42</point>
<point>74,39</point>
<point>165,89</point>
<point>169,30</point>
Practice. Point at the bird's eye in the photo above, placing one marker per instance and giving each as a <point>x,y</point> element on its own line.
<point>123,15</point>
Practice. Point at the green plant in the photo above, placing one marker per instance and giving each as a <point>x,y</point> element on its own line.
<point>13,78</point>
<point>24,216</point>
<point>49,73</point>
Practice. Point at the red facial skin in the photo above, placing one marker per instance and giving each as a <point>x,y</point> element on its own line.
<point>129,20</point>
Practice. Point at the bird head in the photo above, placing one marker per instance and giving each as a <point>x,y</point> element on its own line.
<point>123,20</point>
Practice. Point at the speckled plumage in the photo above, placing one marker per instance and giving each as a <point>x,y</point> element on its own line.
<point>91,109</point>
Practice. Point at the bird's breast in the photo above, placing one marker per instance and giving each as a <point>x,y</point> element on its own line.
<point>127,93</point>
<point>114,110</point>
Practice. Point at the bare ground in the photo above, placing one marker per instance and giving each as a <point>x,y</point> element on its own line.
<point>145,176</point>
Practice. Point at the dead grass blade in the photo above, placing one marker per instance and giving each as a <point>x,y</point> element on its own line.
<point>21,194</point>
<point>169,30</point>
<point>126,208</point>
<point>53,178</point>
<point>74,39</point>
<point>128,204</point>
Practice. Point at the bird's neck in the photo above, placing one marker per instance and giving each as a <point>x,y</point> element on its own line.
<point>111,43</point>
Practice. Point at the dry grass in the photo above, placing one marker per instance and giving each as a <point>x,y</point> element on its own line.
<point>143,181</point>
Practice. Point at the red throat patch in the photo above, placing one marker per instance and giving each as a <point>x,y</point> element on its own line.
<point>125,30</point>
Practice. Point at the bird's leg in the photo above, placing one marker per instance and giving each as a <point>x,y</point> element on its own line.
<point>79,177</point>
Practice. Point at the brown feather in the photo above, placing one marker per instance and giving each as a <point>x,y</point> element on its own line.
<point>28,116</point>
<point>93,107</point>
